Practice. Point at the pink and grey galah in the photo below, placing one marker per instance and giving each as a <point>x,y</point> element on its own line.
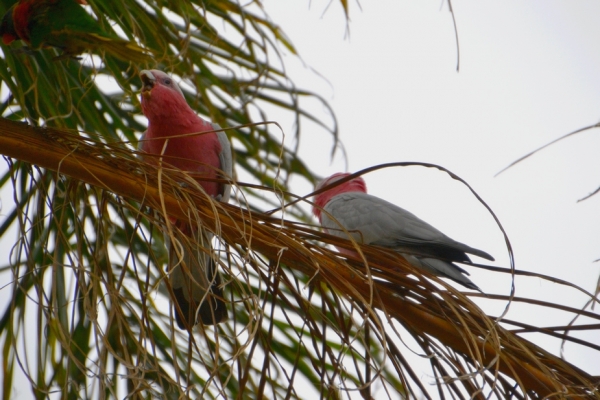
<point>346,210</point>
<point>193,275</point>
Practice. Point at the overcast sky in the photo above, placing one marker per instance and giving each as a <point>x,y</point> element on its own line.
<point>529,73</point>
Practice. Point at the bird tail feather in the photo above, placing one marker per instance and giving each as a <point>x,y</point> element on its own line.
<point>442,268</point>
<point>196,284</point>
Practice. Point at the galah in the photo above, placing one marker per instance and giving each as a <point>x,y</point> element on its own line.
<point>346,210</point>
<point>208,157</point>
<point>64,24</point>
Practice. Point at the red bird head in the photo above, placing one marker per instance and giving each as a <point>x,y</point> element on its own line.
<point>353,185</point>
<point>161,96</point>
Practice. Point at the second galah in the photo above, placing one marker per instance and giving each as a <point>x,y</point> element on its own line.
<point>347,210</point>
<point>179,138</point>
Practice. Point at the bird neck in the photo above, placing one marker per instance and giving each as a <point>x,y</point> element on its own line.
<point>321,200</point>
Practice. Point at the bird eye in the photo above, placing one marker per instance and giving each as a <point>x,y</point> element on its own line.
<point>167,81</point>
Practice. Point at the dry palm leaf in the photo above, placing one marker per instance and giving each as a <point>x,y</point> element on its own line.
<point>300,309</point>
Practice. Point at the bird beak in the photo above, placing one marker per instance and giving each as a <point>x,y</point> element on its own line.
<point>148,82</point>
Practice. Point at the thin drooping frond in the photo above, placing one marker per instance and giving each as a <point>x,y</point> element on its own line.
<point>303,314</point>
<point>575,132</point>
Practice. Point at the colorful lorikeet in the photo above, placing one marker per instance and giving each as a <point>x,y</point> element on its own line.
<point>64,24</point>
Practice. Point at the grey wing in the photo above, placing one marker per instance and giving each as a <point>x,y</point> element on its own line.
<point>226,160</point>
<point>385,224</point>
<point>378,221</point>
<point>354,215</point>
<point>441,268</point>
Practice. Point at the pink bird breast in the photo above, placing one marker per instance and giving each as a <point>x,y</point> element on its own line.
<point>171,118</point>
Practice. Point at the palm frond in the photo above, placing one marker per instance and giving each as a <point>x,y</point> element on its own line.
<point>300,309</point>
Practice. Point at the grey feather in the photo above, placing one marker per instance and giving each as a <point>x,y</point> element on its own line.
<point>371,220</point>
<point>226,160</point>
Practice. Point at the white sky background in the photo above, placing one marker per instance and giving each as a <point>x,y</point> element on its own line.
<point>529,73</point>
